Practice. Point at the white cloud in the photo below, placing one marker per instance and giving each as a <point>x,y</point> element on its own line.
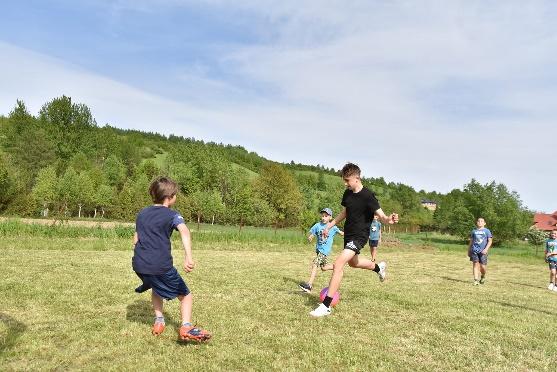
<point>368,82</point>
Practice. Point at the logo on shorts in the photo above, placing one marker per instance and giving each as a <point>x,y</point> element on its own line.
<point>351,245</point>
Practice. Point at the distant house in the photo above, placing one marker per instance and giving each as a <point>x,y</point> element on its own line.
<point>429,204</point>
<point>545,222</point>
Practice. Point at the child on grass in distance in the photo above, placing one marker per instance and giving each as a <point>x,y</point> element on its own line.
<point>323,246</point>
<point>374,236</point>
<point>152,259</point>
<point>360,205</point>
<point>551,259</point>
<point>480,242</point>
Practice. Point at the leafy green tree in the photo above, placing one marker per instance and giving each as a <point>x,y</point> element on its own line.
<point>86,193</point>
<point>7,184</point>
<point>103,198</point>
<point>114,171</point>
<point>68,190</point>
<point>45,189</point>
<point>207,205</point>
<point>535,236</point>
<point>278,188</point>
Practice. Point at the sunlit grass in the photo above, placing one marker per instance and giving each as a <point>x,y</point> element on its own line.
<point>69,304</point>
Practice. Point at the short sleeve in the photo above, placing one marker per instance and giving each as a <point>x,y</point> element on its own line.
<point>489,235</point>
<point>177,220</point>
<point>344,196</point>
<point>336,229</point>
<point>373,203</point>
<point>313,230</point>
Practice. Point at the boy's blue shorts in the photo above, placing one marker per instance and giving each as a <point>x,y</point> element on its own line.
<point>168,285</point>
<point>552,265</point>
<point>373,243</point>
<point>479,257</point>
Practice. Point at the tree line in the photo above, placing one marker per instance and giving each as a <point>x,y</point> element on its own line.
<point>60,163</point>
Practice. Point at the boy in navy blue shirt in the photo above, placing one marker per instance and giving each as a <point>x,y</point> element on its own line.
<point>323,247</point>
<point>152,259</point>
<point>480,242</point>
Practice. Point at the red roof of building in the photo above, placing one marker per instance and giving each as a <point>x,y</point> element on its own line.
<point>546,222</point>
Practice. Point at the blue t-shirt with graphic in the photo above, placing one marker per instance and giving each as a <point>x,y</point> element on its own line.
<point>375,230</point>
<point>480,238</point>
<point>323,245</point>
<point>551,247</point>
<point>154,226</point>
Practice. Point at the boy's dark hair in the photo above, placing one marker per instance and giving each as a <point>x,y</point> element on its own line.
<point>162,188</point>
<point>349,170</point>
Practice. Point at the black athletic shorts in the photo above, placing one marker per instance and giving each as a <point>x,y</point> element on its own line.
<point>355,243</point>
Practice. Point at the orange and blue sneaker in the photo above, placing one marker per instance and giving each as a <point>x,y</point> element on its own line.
<point>190,333</point>
<point>158,328</point>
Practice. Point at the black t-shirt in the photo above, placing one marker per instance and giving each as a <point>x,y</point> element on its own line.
<point>154,226</point>
<point>360,208</point>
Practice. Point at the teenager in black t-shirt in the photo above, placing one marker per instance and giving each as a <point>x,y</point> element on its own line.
<point>360,205</point>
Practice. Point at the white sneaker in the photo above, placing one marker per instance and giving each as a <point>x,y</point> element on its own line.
<point>551,287</point>
<point>382,270</point>
<point>555,288</point>
<point>321,310</point>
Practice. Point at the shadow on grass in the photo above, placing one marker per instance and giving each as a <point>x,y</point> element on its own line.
<point>141,312</point>
<point>454,279</point>
<point>515,306</point>
<point>312,299</point>
<point>14,330</point>
<point>525,285</point>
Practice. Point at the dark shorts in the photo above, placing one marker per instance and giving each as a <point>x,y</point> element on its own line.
<point>374,243</point>
<point>479,257</point>
<point>552,265</point>
<point>168,285</point>
<point>355,244</point>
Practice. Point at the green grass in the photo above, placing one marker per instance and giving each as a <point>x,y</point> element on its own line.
<point>69,304</point>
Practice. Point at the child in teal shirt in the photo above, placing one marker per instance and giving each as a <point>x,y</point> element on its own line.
<point>323,247</point>
<point>551,258</point>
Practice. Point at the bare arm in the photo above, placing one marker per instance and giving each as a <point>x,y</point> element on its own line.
<point>339,218</point>
<point>489,242</point>
<point>186,243</point>
<point>390,219</point>
<point>135,239</point>
<point>310,237</point>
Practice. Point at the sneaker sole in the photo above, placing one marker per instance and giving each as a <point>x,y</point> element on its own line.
<point>197,339</point>
<point>305,289</point>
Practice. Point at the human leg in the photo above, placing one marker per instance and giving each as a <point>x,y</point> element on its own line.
<point>158,326</point>
<point>186,307</point>
<point>157,302</point>
<point>338,270</point>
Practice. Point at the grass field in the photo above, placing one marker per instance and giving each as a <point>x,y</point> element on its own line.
<point>68,303</point>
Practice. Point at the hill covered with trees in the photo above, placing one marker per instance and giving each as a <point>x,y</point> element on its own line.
<point>60,163</point>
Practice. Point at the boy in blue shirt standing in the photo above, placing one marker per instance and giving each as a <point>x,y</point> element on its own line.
<point>374,236</point>
<point>152,259</point>
<point>551,258</point>
<point>323,247</point>
<point>480,242</point>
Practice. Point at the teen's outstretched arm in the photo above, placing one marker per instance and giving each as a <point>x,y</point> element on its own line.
<point>390,219</point>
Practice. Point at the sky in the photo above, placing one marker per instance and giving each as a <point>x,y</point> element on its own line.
<point>427,93</point>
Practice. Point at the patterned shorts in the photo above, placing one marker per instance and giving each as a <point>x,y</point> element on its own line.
<point>320,259</point>
<point>552,265</point>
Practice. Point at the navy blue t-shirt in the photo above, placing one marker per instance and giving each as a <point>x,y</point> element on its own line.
<point>154,226</point>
